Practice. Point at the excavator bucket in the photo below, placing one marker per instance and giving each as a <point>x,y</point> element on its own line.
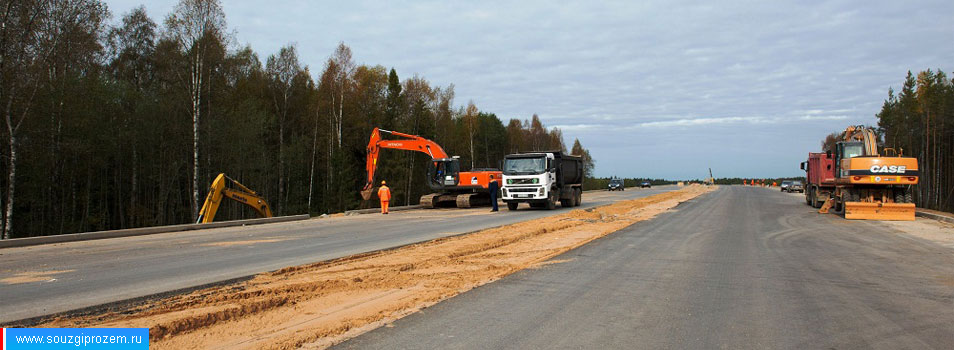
<point>366,194</point>
<point>879,211</point>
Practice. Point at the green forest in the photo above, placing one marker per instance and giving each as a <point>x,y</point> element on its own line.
<point>920,121</point>
<point>123,122</point>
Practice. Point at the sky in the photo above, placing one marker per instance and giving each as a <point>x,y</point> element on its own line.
<point>659,89</point>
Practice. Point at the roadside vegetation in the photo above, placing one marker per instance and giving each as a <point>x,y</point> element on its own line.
<point>920,120</point>
<point>118,125</point>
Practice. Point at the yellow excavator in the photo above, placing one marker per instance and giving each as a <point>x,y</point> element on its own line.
<point>224,186</point>
<point>868,185</point>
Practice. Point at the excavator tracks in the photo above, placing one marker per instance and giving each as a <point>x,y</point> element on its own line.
<point>459,200</point>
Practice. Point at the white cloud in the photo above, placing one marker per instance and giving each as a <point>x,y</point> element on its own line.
<point>606,70</point>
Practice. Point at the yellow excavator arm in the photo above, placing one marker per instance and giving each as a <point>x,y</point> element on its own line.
<point>225,187</point>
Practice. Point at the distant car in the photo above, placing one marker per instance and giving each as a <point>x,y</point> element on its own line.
<point>645,184</point>
<point>785,185</point>
<point>796,186</point>
<point>616,185</point>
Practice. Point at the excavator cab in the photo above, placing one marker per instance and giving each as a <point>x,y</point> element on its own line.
<point>847,150</point>
<point>443,172</point>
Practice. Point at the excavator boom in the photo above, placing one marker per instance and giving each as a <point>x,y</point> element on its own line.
<point>462,188</point>
<point>408,143</point>
<point>225,187</point>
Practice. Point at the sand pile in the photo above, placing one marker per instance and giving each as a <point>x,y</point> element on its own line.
<point>317,305</point>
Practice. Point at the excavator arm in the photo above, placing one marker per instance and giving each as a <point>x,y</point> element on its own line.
<point>865,135</point>
<point>407,142</point>
<point>225,187</point>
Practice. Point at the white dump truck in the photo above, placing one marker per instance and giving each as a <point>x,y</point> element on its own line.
<point>541,179</point>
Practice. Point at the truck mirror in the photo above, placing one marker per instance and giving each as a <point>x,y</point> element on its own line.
<point>801,165</point>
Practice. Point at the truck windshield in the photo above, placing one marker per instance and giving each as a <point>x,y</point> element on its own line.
<point>525,166</point>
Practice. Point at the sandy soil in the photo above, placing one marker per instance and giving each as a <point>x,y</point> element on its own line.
<point>315,306</point>
<point>32,276</point>
<point>932,230</point>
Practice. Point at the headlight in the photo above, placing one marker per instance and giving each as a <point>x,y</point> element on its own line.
<point>542,190</point>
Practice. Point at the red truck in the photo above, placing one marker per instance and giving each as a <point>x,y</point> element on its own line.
<point>819,178</point>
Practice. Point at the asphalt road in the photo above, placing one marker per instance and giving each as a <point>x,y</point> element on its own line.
<point>103,271</point>
<point>740,268</point>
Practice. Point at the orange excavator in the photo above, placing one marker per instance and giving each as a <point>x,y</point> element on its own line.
<point>869,185</point>
<point>463,189</point>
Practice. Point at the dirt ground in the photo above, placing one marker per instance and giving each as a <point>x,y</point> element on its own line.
<point>929,229</point>
<point>318,305</point>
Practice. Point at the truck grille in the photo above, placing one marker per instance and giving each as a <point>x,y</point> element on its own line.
<point>524,190</point>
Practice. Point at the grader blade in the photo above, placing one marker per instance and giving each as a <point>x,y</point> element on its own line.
<point>879,211</point>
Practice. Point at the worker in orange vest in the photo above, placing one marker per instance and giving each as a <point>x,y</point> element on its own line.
<point>774,184</point>
<point>384,194</point>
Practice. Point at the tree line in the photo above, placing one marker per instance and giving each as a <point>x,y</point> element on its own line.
<point>119,125</point>
<point>920,121</point>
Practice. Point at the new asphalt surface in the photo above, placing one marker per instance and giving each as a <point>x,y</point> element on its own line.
<point>42,280</point>
<point>739,268</point>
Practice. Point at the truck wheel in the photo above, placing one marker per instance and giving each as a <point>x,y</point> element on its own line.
<point>820,198</point>
<point>808,198</point>
<point>566,203</point>
<point>579,198</point>
<point>899,195</point>
<point>839,207</point>
<point>551,202</point>
<point>854,196</point>
<point>512,206</point>
<point>908,196</point>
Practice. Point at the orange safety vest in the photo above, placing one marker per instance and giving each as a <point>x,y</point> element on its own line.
<point>384,193</point>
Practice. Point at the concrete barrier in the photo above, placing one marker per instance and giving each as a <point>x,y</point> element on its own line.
<point>86,236</point>
<point>934,216</point>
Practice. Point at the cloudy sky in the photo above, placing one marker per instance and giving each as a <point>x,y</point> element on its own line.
<point>653,88</point>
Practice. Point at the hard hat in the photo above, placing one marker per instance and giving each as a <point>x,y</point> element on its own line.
<point>383,182</point>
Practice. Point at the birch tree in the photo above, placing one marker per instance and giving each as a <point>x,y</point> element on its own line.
<point>31,33</point>
<point>20,69</point>
<point>470,122</point>
<point>281,70</point>
<point>345,66</point>
<point>193,25</point>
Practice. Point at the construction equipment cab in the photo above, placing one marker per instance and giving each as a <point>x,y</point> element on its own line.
<point>225,187</point>
<point>541,179</point>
